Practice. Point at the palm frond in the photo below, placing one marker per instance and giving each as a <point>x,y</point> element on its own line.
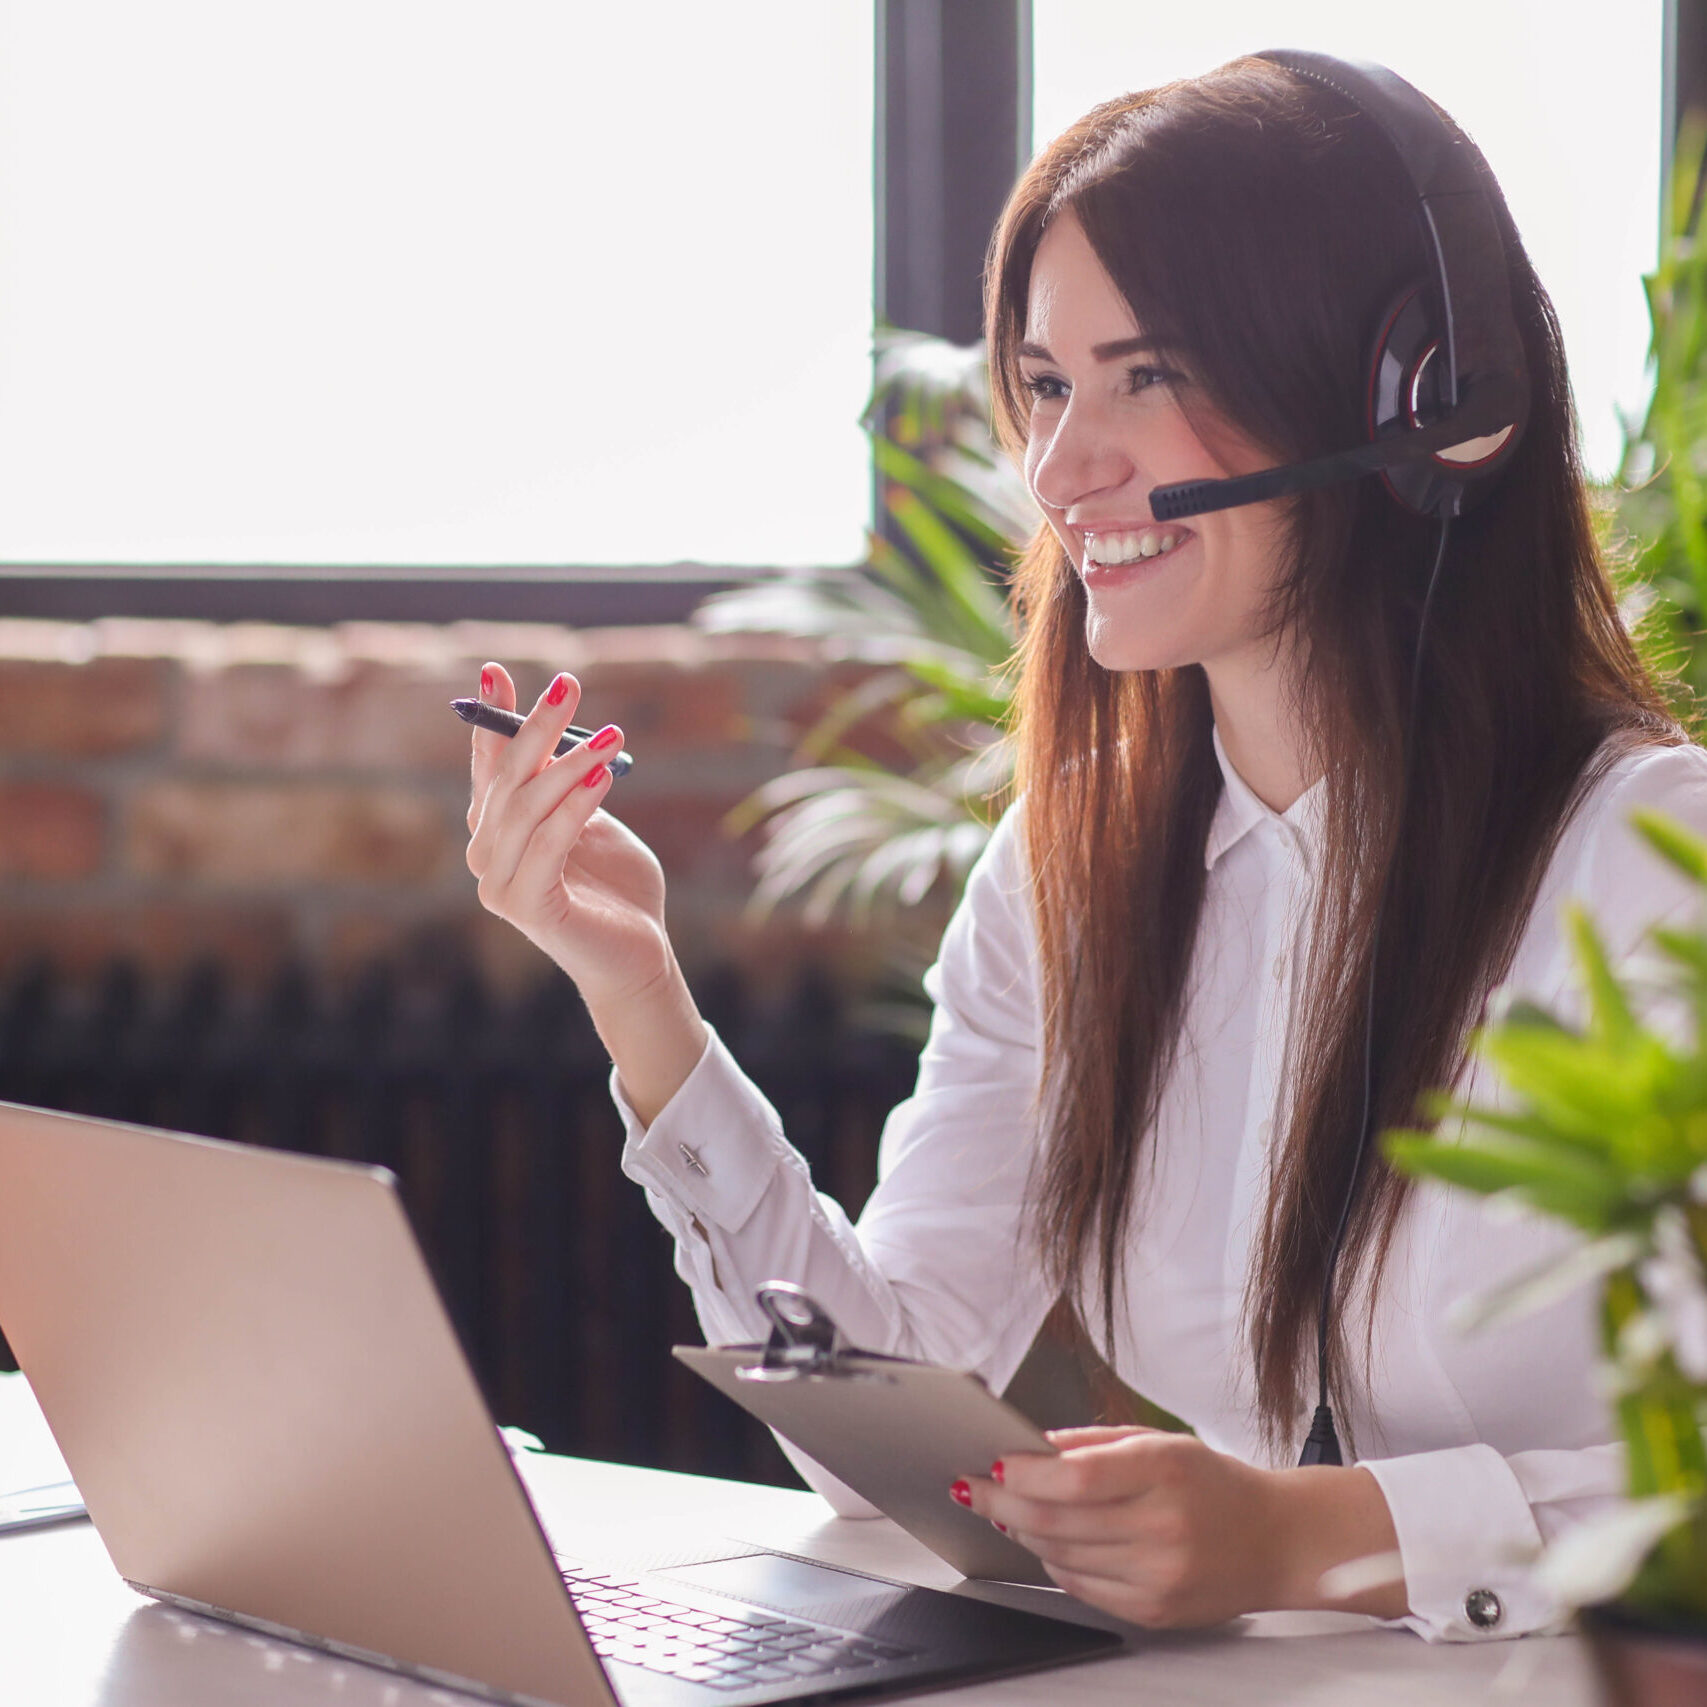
<point>901,772</point>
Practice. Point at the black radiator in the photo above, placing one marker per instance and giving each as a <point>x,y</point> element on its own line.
<point>496,1117</point>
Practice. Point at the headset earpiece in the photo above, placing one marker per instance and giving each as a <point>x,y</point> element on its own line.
<point>1406,391</point>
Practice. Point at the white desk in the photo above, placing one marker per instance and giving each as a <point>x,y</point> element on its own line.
<point>72,1634</point>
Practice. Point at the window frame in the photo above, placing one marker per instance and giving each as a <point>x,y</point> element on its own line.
<point>579,596</point>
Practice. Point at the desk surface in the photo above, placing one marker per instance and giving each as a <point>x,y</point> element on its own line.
<point>72,1634</point>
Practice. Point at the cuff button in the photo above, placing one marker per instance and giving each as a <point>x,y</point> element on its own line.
<point>1482,1607</point>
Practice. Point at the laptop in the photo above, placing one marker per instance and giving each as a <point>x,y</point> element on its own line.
<point>252,1377</point>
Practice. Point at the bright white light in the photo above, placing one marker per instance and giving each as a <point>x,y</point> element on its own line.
<point>1562,98</point>
<point>420,282</point>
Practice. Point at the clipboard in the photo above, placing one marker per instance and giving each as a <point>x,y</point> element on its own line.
<point>896,1431</point>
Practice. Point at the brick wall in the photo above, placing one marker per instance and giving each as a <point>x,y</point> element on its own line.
<point>175,791</point>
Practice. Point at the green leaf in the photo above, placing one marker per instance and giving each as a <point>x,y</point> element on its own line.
<point>947,497</point>
<point>1611,1019</point>
<point>1518,1125</point>
<point>1687,948</point>
<point>1683,848</point>
<point>1574,1083</point>
<point>985,699</point>
<point>1522,1011</point>
<point>974,612</point>
<point>1554,1179</point>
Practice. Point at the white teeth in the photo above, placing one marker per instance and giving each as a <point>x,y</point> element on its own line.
<point>1110,549</point>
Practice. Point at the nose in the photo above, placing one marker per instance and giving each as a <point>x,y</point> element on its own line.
<point>1078,458</point>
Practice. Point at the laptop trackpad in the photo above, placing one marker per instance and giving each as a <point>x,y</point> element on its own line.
<point>792,1585</point>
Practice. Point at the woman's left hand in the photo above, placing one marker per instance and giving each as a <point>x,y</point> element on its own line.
<point>1161,1530</point>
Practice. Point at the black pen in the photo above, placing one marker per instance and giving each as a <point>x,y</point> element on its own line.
<point>484,716</point>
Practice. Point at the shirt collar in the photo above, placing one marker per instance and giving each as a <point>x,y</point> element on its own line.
<point>1240,811</point>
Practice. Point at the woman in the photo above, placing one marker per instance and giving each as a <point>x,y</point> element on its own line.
<point>1143,1083</point>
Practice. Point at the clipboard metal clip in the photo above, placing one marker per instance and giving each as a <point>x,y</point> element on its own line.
<point>804,1341</point>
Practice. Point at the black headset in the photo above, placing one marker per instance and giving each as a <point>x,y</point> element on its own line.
<point>1448,381</point>
<point>1447,402</point>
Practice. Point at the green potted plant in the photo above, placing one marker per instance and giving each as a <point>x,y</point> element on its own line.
<point>1654,513</point>
<point>1608,1131</point>
<point>904,773</point>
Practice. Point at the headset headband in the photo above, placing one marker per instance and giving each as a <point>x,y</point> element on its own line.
<point>1461,236</point>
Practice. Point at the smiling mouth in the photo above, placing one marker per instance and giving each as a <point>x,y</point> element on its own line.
<point>1131,545</point>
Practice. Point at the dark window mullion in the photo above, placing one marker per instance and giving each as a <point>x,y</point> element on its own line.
<point>953,131</point>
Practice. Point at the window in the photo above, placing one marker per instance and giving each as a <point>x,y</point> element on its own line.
<point>421,283</point>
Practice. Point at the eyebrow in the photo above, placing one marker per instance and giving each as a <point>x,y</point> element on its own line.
<point>1108,352</point>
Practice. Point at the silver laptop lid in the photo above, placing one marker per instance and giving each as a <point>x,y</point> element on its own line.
<point>250,1373</point>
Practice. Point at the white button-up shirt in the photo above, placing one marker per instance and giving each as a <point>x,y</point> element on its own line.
<point>1484,1444</point>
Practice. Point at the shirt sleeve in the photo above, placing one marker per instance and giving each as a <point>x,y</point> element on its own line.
<point>1471,1522</point>
<point>936,1266</point>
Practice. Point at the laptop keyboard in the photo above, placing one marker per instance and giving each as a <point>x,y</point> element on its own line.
<point>624,1622</point>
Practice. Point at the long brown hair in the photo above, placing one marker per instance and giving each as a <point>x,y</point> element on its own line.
<point>1259,226</point>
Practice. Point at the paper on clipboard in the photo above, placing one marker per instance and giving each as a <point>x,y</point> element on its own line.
<point>35,1485</point>
<point>36,1508</point>
<point>897,1432</point>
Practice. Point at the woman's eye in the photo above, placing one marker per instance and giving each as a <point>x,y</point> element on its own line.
<point>1044,387</point>
<point>1142,378</point>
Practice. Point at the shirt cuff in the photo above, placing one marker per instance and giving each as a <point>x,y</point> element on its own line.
<point>1468,1540</point>
<point>714,1146</point>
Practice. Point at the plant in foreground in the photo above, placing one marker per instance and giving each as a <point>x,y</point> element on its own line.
<point>1608,1132</point>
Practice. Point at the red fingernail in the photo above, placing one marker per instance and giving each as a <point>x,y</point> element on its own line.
<point>996,1472</point>
<point>598,774</point>
<point>606,737</point>
<point>961,1492</point>
<point>558,691</point>
<point>1001,1526</point>
<point>486,682</point>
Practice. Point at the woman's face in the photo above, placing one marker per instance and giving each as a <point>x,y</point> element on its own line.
<point>1106,427</point>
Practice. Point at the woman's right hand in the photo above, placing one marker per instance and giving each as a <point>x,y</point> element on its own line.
<point>570,878</point>
<point>582,886</point>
